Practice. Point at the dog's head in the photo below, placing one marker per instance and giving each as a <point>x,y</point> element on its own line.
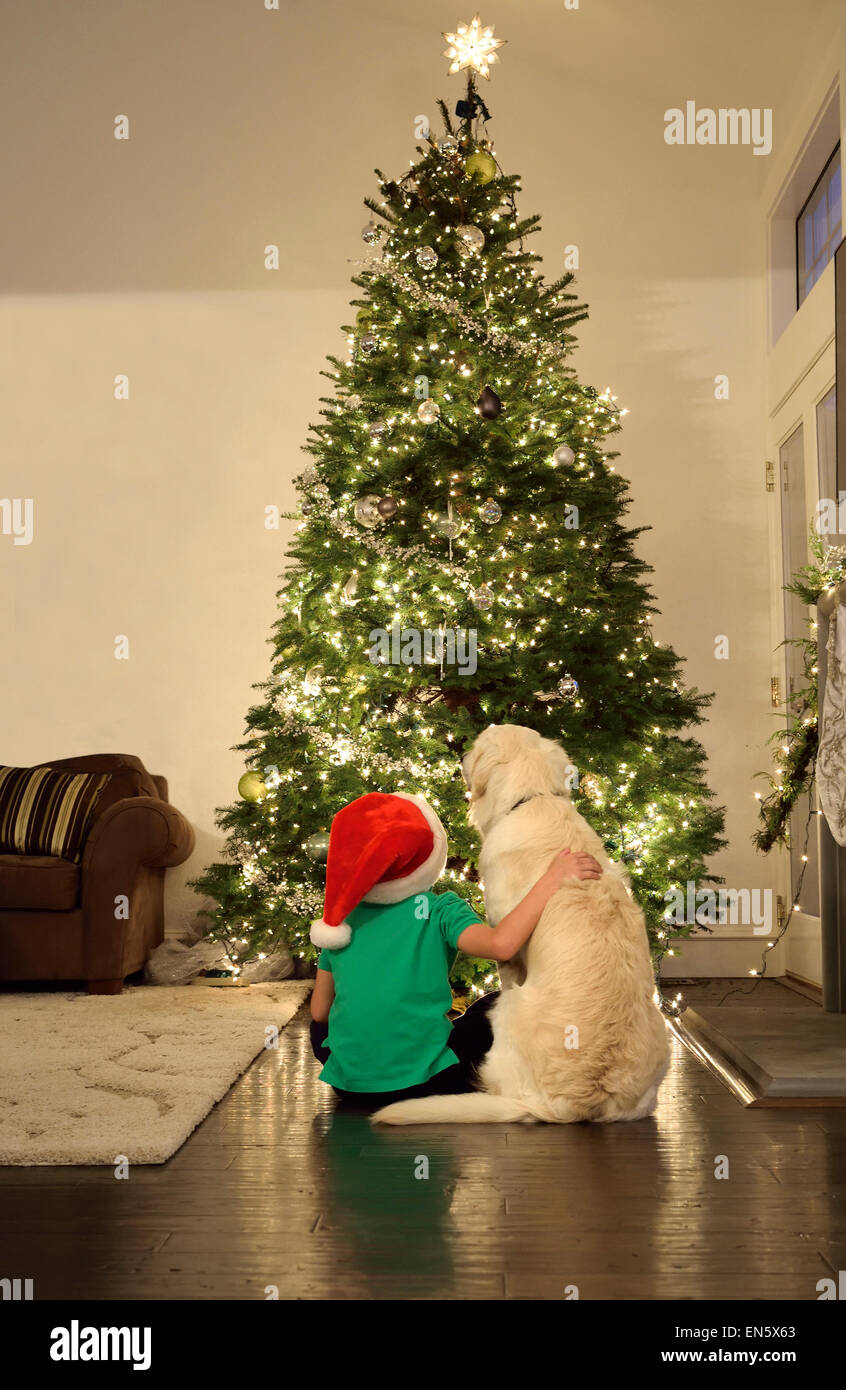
<point>508,763</point>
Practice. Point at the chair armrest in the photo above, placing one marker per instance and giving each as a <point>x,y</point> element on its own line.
<point>138,830</point>
<point>129,845</point>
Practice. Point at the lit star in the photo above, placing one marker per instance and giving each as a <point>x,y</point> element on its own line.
<point>472,47</point>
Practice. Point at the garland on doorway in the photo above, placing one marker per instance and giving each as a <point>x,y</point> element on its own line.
<point>799,740</point>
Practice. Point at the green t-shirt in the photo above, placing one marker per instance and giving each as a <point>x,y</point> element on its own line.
<point>388,1025</point>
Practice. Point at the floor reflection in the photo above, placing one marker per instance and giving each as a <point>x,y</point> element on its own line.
<point>387,1197</point>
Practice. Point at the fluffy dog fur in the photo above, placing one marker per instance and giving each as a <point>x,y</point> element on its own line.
<point>585,966</point>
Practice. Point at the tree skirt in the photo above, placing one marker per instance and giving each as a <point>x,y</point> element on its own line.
<point>87,1078</point>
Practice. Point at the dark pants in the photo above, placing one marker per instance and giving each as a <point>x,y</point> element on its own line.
<point>470,1040</point>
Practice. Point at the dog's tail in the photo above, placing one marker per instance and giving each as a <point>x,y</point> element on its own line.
<point>476,1107</point>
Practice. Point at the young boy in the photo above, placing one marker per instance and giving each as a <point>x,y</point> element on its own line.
<point>388,945</point>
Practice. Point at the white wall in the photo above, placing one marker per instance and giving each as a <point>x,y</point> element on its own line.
<point>145,257</point>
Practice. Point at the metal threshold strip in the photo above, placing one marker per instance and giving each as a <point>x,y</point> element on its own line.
<point>745,1078</point>
<point>711,1057</point>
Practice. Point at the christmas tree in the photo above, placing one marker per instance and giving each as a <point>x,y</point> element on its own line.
<point>462,559</point>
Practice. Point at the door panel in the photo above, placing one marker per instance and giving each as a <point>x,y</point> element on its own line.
<point>795,520</point>
<point>827,445</point>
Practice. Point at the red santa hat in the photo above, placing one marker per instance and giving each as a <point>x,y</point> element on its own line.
<point>383,847</point>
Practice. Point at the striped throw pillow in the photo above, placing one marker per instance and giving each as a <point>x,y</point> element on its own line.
<point>47,812</point>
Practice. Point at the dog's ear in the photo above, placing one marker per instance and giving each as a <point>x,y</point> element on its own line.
<point>479,772</point>
<point>479,764</point>
<point>466,766</point>
<point>558,767</point>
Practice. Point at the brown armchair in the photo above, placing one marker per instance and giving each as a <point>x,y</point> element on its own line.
<point>58,919</point>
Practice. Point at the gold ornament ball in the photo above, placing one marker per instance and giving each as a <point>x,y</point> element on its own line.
<point>428,411</point>
<point>251,787</point>
<point>317,846</point>
<point>480,166</point>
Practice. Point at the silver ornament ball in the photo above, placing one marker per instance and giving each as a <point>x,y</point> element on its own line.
<point>376,428</point>
<point>568,687</point>
<point>482,598</point>
<point>313,679</point>
<point>427,257</point>
<point>469,239</point>
<point>564,455</point>
<point>371,234</point>
<point>369,344</point>
<point>387,507</point>
<point>447,526</point>
<point>366,511</point>
<point>490,511</point>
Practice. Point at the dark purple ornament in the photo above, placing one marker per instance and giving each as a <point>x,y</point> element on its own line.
<point>489,404</point>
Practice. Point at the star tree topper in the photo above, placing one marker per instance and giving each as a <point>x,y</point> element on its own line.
<point>473,47</point>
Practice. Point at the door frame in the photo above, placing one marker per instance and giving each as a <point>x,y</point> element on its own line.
<point>800,953</point>
<point>833,885</point>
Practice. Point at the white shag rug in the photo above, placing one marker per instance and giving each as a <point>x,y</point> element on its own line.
<point>87,1078</point>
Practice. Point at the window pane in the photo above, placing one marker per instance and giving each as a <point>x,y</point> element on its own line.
<point>820,215</point>
<point>809,242</point>
<point>834,204</point>
<point>818,227</point>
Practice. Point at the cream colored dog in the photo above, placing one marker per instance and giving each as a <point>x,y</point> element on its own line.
<point>580,1037</point>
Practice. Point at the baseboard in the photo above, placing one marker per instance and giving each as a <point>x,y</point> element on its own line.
<point>800,985</point>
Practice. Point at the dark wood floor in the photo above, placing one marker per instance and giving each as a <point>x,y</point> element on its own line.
<point>276,1189</point>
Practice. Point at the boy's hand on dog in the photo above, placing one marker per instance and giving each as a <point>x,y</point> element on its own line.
<point>568,865</point>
